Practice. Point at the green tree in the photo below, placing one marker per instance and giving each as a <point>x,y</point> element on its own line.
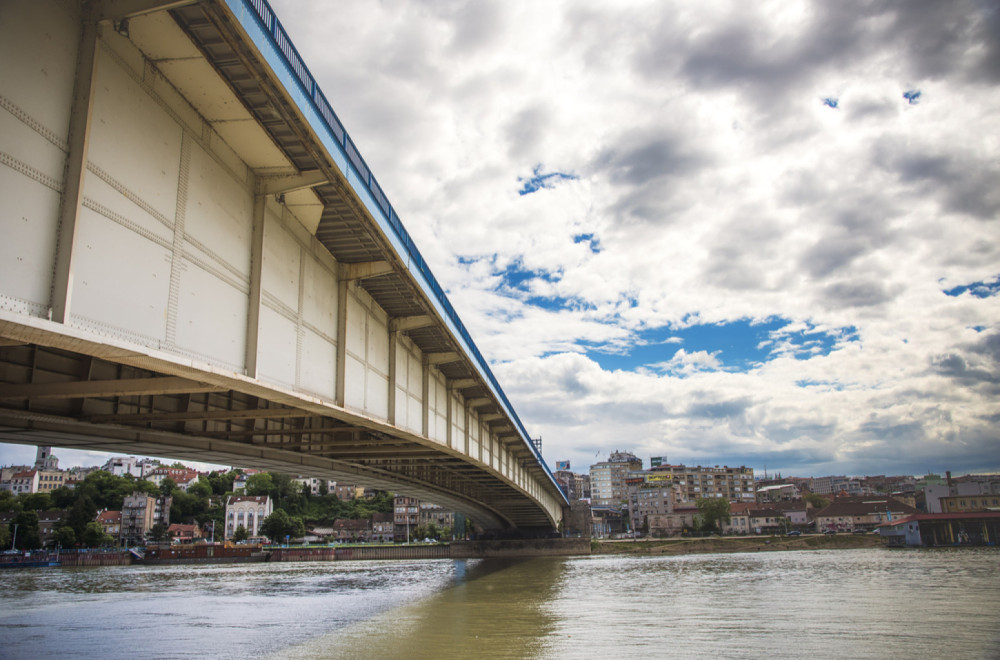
<point>7,500</point>
<point>24,531</point>
<point>158,533</point>
<point>64,537</point>
<point>816,501</point>
<point>241,534</point>
<point>36,501</point>
<point>260,484</point>
<point>222,482</point>
<point>82,512</point>
<point>94,536</point>
<point>167,487</point>
<point>200,488</point>
<point>279,525</point>
<point>713,513</point>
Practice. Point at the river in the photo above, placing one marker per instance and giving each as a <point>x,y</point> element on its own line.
<point>871,603</point>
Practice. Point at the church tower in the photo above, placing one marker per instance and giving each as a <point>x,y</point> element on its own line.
<point>44,460</point>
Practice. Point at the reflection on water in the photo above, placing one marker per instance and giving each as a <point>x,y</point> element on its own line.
<point>848,603</point>
<point>500,614</point>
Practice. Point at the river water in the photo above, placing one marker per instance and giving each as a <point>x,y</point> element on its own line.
<point>872,603</point>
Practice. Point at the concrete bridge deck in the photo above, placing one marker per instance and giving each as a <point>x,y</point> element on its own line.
<point>198,263</point>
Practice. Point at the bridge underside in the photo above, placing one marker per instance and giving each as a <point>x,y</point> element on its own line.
<point>64,398</point>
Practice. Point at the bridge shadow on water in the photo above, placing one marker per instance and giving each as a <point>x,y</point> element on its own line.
<point>496,609</point>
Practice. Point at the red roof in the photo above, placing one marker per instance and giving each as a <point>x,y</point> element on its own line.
<point>108,517</point>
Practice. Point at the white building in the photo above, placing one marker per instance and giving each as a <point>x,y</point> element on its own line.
<point>122,465</point>
<point>248,511</point>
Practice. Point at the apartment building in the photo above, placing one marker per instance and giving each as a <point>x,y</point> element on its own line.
<point>247,511</point>
<point>735,484</point>
<point>139,513</point>
<point>607,478</point>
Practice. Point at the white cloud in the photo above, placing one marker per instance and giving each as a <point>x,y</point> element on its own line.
<point>718,187</point>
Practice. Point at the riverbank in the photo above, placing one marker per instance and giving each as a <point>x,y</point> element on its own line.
<point>722,544</point>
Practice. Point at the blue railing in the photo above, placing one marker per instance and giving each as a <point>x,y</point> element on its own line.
<point>272,27</point>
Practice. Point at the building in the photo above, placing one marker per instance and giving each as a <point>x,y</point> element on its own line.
<point>735,484</point>
<point>247,511</point>
<point>574,486</point>
<point>315,486</point>
<point>122,465</point>
<point>406,517</point>
<point>182,477</point>
<point>968,485</point>
<point>45,460</point>
<point>139,513</point>
<point>25,481</point>
<point>352,531</point>
<point>7,475</point>
<point>383,527</point>
<point>184,533</point>
<point>432,513</point>
<point>348,492</point>
<point>849,513</point>
<point>828,485</point>
<point>943,529</point>
<point>48,523</point>
<point>606,521</point>
<point>35,481</point>
<point>607,478</point>
<point>777,493</point>
<point>674,523</point>
<point>649,494</point>
<point>969,503</point>
<point>111,523</point>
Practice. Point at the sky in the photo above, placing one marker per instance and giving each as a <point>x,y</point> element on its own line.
<point>724,233</point>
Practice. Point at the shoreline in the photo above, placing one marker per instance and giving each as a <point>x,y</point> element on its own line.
<point>723,544</point>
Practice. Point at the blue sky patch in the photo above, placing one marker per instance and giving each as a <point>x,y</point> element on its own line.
<point>912,96</point>
<point>831,102</point>
<point>735,346</point>
<point>591,240</point>
<point>977,289</point>
<point>515,276</point>
<point>538,181</point>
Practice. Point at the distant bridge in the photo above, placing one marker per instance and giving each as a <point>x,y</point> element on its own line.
<point>196,262</point>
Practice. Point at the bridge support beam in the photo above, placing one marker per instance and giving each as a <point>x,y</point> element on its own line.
<point>256,275</point>
<point>75,170</point>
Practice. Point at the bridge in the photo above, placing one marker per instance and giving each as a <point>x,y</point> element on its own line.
<point>196,262</point>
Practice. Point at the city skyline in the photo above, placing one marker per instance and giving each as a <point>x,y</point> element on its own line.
<point>13,454</point>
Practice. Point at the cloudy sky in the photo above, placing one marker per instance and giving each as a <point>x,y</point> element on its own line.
<point>759,234</point>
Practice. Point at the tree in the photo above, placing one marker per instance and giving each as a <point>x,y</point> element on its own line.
<point>816,501</point>
<point>158,533</point>
<point>713,512</point>
<point>64,537</point>
<point>260,484</point>
<point>167,487</point>
<point>241,534</point>
<point>94,536</point>
<point>279,524</point>
<point>24,531</point>
<point>36,501</point>
<point>79,515</point>
<point>200,488</point>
